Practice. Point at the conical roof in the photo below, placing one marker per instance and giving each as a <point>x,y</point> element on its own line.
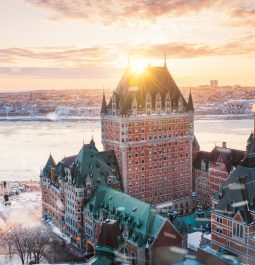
<point>190,103</point>
<point>103,106</point>
<point>50,163</point>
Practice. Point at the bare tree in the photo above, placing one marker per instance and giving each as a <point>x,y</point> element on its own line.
<point>39,240</point>
<point>27,243</point>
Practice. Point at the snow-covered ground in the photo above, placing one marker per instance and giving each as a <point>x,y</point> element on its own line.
<point>25,209</point>
<point>4,260</point>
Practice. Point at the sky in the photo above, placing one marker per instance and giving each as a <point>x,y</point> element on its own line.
<point>77,44</point>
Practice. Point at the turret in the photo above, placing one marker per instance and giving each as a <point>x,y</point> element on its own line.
<point>190,107</point>
<point>103,107</point>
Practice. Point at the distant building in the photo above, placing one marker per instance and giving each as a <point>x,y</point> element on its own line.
<point>214,84</point>
<point>233,214</point>
<point>150,127</point>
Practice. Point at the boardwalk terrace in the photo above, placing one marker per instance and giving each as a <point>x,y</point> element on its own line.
<point>149,125</point>
<point>233,216</point>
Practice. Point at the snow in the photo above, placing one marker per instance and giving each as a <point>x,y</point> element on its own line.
<point>195,238</point>
<point>25,209</point>
<point>5,260</point>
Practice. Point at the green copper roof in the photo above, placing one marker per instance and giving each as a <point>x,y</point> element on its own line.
<point>142,221</point>
<point>196,221</point>
<point>94,165</point>
<point>102,260</point>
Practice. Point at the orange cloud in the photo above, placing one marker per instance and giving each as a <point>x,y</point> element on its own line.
<point>122,11</point>
<point>103,61</point>
<point>243,17</point>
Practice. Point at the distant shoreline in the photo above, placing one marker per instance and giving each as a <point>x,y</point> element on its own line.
<point>97,118</point>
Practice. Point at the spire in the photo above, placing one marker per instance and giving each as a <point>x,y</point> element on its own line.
<point>92,142</point>
<point>190,106</point>
<point>165,60</point>
<point>103,107</point>
<point>50,163</point>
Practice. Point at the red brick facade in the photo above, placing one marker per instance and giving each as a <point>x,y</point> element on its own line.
<point>155,157</point>
<point>152,140</point>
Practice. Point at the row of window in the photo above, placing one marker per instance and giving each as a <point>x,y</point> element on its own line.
<point>152,122</point>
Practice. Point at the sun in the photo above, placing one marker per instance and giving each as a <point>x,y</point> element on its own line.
<point>138,66</point>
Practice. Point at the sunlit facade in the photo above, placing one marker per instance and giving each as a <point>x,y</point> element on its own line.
<point>150,127</point>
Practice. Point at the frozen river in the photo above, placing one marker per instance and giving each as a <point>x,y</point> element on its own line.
<point>26,145</point>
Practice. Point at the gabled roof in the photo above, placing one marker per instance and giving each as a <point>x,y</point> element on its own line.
<point>142,221</point>
<point>153,80</point>
<point>230,157</point>
<point>238,194</point>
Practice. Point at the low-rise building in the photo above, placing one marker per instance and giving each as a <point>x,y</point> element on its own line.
<point>233,227</point>
<point>211,170</point>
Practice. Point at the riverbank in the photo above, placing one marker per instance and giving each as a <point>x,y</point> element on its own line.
<point>52,117</point>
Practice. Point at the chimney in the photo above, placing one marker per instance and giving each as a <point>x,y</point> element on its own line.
<point>224,144</point>
<point>53,174</point>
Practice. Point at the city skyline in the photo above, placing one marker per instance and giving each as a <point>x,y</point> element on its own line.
<point>75,45</point>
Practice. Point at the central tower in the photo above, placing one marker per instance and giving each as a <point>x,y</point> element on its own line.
<point>149,125</point>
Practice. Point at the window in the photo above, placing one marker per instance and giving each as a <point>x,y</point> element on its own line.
<point>219,220</point>
<point>219,229</point>
<point>237,230</point>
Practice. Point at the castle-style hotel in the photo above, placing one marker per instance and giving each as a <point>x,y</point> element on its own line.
<point>119,203</point>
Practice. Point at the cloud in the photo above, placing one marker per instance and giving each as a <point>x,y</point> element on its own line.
<point>55,55</point>
<point>122,11</point>
<point>243,18</point>
<point>106,61</point>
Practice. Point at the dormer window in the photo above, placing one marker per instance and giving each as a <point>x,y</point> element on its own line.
<point>148,103</point>
<point>113,104</point>
<point>203,165</point>
<point>88,183</point>
<point>134,106</point>
<point>180,105</point>
<point>158,103</point>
